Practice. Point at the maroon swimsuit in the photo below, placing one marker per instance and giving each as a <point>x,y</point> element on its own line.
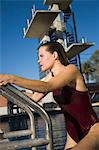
<point>77,110</point>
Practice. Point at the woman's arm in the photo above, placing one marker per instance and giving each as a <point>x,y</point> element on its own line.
<point>38,96</point>
<point>67,75</point>
<point>34,85</point>
<point>35,96</point>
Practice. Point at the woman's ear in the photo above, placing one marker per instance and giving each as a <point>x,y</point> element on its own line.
<point>55,55</point>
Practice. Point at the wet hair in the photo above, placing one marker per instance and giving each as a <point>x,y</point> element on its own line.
<point>56,46</point>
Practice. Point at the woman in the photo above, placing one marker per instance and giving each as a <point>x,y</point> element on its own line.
<point>69,90</point>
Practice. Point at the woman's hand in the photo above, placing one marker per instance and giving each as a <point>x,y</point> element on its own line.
<point>5,78</point>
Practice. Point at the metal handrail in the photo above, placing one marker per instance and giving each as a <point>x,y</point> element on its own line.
<point>17,97</point>
<point>12,134</point>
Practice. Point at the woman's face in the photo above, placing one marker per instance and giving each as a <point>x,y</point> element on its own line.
<point>46,59</point>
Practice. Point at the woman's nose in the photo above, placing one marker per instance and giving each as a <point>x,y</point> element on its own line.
<point>38,60</point>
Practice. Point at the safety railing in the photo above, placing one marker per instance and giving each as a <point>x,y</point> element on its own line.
<point>94,91</point>
<point>17,97</point>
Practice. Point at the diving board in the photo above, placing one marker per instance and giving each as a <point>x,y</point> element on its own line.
<point>76,48</point>
<point>40,23</point>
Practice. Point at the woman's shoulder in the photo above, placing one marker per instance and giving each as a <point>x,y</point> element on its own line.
<point>73,72</point>
<point>71,67</point>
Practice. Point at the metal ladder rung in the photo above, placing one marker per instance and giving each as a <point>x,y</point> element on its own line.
<point>17,133</point>
<point>13,145</point>
<point>18,98</point>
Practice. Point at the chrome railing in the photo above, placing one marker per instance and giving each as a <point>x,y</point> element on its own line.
<point>18,98</point>
<point>94,91</point>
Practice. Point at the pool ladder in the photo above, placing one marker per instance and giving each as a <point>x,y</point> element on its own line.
<point>18,98</point>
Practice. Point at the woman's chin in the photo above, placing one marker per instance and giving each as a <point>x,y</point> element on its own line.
<point>43,70</point>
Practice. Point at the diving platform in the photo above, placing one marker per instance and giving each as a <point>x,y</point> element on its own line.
<point>40,23</point>
<point>63,4</point>
<point>76,48</point>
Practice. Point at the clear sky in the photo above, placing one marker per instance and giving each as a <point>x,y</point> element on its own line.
<point>18,55</point>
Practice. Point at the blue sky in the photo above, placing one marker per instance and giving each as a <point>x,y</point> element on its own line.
<point>18,55</point>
